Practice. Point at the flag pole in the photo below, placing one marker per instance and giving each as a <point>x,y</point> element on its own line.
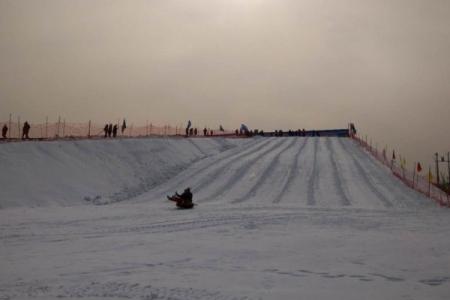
<point>429,181</point>
<point>393,158</point>
<point>10,129</point>
<point>18,127</point>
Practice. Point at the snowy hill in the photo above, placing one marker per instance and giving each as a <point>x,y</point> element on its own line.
<point>324,172</point>
<point>277,218</point>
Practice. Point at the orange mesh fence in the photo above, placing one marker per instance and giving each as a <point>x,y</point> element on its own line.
<point>415,180</point>
<point>57,130</point>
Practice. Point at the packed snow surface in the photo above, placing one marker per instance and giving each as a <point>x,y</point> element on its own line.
<point>276,218</point>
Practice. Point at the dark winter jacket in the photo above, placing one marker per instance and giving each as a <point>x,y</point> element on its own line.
<point>186,196</point>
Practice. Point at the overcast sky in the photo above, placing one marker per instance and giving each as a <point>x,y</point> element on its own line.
<point>383,64</point>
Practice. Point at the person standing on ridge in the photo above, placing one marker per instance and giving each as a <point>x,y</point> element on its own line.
<point>188,127</point>
<point>114,130</point>
<point>124,126</point>
<point>110,128</point>
<point>4,131</point>
<point>25,130</point>
<point>105,129</point>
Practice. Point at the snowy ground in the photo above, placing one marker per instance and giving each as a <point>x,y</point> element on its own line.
<point>277,218</point>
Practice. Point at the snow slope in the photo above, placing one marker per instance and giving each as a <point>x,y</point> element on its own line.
<point>303,172</point>
<point>66,173</point>
<point>277,218</point>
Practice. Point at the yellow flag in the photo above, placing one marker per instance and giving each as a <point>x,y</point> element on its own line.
<point>430,176</point>
<point>402,163</point>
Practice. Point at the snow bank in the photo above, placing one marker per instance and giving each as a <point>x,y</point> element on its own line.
<point>66,173</point>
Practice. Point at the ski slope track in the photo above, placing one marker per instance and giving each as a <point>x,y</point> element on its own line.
<point>276,218</point>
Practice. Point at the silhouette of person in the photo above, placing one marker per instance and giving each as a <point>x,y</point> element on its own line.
<point>124,126</point>
<point>4,131</point>
<point>110,128</point>
<point>105,129</point>
<point>185,198</point>
<point>26,130</point>
<point>189,124</point>
<point>114,130</point>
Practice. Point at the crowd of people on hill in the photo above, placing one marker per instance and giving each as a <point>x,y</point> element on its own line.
<point>110,130</point>
<point>191,131</point>
<point>195,132</point>
<point>298,132</point>
<point>244,131</point>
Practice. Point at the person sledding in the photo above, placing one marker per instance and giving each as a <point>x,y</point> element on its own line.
<point>184,200</point>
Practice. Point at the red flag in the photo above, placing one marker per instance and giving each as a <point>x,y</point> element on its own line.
<point>419,167</point>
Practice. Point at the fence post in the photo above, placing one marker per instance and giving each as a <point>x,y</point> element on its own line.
<point>46,127</point>
<point>10,121</point>
<point>18,127</point>
<point>429,181</point>
<point>437,167</point>
<point>64,128</point>
<point>448,165</point>
<point>89,129</point>
<point>59,125</point>
<point>404,167</point>
<point>414,175</point>
<point>392,160</point>
<point>385,154</point>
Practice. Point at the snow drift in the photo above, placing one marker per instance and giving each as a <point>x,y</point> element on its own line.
<point>66,173</point>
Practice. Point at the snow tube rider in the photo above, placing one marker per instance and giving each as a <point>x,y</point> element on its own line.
<point>184,200</point>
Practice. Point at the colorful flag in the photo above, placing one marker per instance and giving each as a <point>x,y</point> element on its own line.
<point>419,167</point>
<point>430,176</point>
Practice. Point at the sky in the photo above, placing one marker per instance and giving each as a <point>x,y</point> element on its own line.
<point>271,64</point>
